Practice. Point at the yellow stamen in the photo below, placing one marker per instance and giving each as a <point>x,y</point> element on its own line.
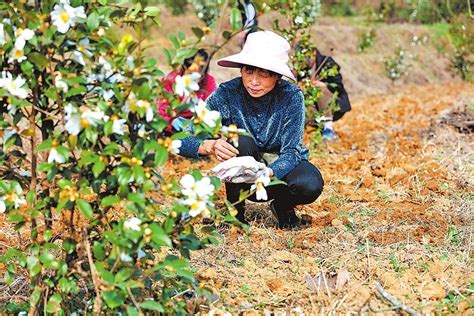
<point>64,17</point>
<point>84,123</point>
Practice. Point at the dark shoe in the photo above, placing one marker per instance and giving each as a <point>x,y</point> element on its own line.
<point>291,220</point>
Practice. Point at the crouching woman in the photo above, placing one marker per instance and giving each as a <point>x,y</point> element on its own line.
<point>272,111</point>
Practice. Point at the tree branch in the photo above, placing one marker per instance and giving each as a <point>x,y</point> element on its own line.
<point>394,301</point>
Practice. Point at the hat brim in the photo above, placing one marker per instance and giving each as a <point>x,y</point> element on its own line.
<point>237,60</point>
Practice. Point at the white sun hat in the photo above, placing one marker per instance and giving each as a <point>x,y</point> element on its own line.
<point>263,49</point>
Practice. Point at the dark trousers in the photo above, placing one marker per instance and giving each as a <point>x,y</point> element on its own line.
<point>304,186</point>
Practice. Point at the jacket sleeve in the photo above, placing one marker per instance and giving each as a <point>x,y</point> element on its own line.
<point>291,136</point>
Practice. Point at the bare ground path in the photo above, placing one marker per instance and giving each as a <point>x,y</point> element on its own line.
<point>397,208</point>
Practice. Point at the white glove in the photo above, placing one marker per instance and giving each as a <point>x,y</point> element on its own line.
<point>240,170</point>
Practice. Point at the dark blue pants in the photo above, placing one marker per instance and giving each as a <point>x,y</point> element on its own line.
<point>304,186</point>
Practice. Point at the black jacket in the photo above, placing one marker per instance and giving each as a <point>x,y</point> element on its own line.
<point>334,84</point>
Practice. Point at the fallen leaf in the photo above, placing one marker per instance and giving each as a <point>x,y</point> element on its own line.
<point>342,278</point>
<point>334,282</point>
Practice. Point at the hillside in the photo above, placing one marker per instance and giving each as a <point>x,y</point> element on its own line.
<point>363,72</point>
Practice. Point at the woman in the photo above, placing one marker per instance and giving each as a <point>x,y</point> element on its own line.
<point>330,84</point>
<point>197,63</point>
<point>272,111</point>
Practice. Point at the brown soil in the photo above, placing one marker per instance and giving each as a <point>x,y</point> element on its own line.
<point>387,211</point>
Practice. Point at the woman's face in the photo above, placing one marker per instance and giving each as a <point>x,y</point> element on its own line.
<point>257,81</point>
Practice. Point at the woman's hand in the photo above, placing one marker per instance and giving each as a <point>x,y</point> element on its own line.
<point>220,148</point>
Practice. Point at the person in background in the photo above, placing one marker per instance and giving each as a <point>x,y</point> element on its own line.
<point>198,63</point>
<point>272,111</point>
<point>249,18</point>
<point>330,84</point>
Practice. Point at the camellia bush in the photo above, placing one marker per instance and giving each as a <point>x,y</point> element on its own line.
<point>82,149</point>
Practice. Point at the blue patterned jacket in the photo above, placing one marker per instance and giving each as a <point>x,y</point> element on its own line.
<point>275,121</point>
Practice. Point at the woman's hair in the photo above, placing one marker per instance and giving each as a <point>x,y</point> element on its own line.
<point>274,74</point>
<point>201,53</point>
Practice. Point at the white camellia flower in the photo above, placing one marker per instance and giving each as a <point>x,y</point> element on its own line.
<point>108,94</point>
<point>175,145</point>
<point>299,20</point>
<point>149,111</point>
<point>21,36</point>
<point>3,39</point>
<point>187,83</point>
<point>64,16</point>
<point>197,207</point>
<point>60,83</point>
<point>54,156</point>
<point>73,119</point>
<point>7,133</point>
<point>83,48</point>
<point>125,258</point>
<point>204,188</point>
<point>93,117</point>
<point>260,184</point>
<point>118,126</point>
<point>15,86</point>
<point>192,188</point>
<point>132,224</point>
<point>17,201</point>
<point>141,131</point>
<point>3,207</point>
<point>205,115</point>
<point>16,55</point>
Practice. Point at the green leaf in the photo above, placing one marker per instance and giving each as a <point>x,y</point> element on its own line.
<point>159,236</point>
<point>152,11</point>
<point>198,32</point>
<point>98,250</point>
<point>69,245</point>
<point>46,257</point>
<point>47,235</point>
<point>85,208</point>
<point>132,311</point>
<point>54,303</point>
<point>30,196</point>
<point>174,40</point>
<point>93,21</point>
<point>108,127</point>
<point>15,218</point>
<point>98,167</point>
<point>76,90</point>
<point>62,183</point>
<point>137,198</point>
<point>38,59</point>
<point>123,275</point>
<point>87,158</point>
<point>161,155</point>
<point>152,306</point>
<point>235,19</point>
<point>109,200</point>
<point>138,173</point>
<point>44,145</point>
<point>114,298</point>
